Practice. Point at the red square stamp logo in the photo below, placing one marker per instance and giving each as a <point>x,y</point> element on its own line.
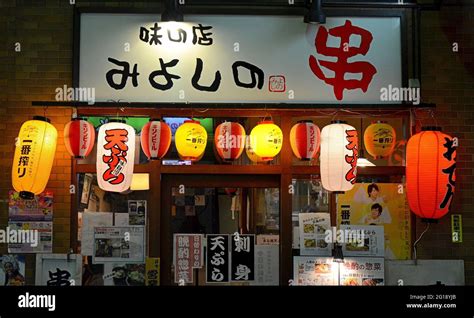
<point>277,83</point>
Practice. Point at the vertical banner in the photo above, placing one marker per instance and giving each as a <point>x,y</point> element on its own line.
<point>152,271</point>
<point>187,255</point>
<point>217,258</point>
<point>242,263</point>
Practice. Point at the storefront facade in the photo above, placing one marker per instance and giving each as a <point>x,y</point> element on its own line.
<point>211,196</point>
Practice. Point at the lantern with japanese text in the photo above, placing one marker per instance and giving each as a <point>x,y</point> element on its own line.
<point>266,140</point>
<point>34,155</point>
<point>155,139</point>
<point>304,140</point>
<point>430,172</point>
<point>229,139</point>
<point>79,137</point>
<point>251,154</point>
<point>115,156</point>
<point>380,139</point>
<point>339,153</point>
<point>191,140</point>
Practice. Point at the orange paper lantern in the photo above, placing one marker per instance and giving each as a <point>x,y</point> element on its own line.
<point>304,140</point>
<point>380,139</point>
<point>229,140</point>
<point>155,139</point>
<point>430,172</point>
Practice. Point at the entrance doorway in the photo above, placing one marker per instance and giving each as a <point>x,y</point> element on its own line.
<point>217,204</point>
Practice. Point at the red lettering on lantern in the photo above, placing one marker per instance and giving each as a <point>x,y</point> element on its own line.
<point>351,136</point>
<point>116,143</point>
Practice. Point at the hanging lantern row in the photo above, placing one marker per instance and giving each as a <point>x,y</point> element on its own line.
<point>430,159</point>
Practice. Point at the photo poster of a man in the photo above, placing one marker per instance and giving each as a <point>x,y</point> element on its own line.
<point>379,204</point>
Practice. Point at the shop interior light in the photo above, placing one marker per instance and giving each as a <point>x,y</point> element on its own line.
<point>315,15</point>
<point>172,12</point>
<point>140,182</point>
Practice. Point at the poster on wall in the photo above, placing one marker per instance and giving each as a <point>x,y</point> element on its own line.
<point>198,61</point>
<point>137,212</point>
<point>90,220</point>
<point>187,255</point>
<point>39,237</point>
<point>120,274</point>
<point>12,270</point>
<point>58,270</point>
<point>119,244</point>
<point>382,204</point>
<point>217,258</point>
<point>312,227</point>
<point>363,271</point>
<point>310,270</point>
<point>365,240</point>
<point>267,265</point>
<point>152,271</point>
<point>242,262</point>
<point>38,209</point>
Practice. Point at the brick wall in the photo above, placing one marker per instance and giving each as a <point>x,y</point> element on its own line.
<point>448,81</point>
<point>43,28</point>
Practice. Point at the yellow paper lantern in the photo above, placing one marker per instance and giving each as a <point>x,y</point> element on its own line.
<point>251,154</point>
<point>34,155</point>
<point>380,139</point>
<point>191,140</point>
<point>266,140</point>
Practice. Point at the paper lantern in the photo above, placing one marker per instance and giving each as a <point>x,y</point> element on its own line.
<point>229,139</point>
<point>380,139</point>
<point>266,139</point>
<point>191,140</point>
<point>115,156</point>
<point>155,139</point>
<point>339,153</point>
<point>79,137</point>
<point>251,154</point>
<point>34,155</point>
<point>430,172</point>
<point>304,140</point>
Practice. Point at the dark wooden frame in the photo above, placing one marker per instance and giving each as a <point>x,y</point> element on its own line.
<point>162,177</point>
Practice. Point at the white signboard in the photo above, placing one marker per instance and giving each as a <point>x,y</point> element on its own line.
<point>313,227</point>
<point>241,59</point>
<point>370,244</point>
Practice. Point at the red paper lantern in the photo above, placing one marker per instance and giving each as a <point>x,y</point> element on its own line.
<point>155,139</point>
<point>229,139</point>
<point>430,172</point>
<point>79,137</point>
<point>305,139</point>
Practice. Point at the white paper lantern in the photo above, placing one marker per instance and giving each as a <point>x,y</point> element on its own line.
<point>339,153</point>
<point>115,156</point>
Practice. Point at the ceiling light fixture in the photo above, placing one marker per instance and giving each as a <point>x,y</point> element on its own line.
<point>315,15</point>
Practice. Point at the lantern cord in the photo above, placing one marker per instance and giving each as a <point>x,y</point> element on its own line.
<point>416,242</point>
<point>45,108</point>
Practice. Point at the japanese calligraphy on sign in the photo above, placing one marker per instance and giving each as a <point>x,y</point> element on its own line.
<point>218,58</point>
<point>362,271</point>
<point>217,258</point>
<point>242,264</point>
<point>187,255</point>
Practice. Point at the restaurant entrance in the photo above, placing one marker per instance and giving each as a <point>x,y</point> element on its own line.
<point>216,204</point>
